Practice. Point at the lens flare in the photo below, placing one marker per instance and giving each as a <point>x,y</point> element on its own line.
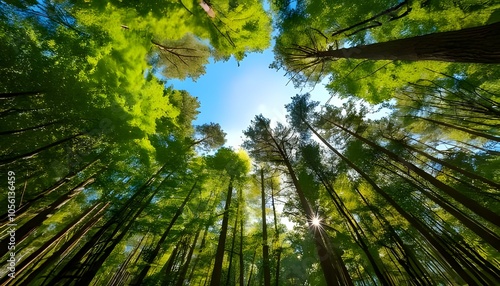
<point>316,221</point>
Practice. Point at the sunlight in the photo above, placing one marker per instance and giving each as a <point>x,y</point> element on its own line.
<point>316,221</point>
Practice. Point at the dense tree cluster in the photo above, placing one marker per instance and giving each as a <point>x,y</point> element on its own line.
<point>115,185</point>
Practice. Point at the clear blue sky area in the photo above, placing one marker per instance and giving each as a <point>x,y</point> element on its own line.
<point>232,95</point>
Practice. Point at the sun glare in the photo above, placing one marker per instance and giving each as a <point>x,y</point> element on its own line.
<point>316,221</point>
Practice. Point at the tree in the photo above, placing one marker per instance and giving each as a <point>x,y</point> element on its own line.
<point>274,146</point>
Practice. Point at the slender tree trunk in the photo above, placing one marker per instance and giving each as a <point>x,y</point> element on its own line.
<point>356,231</point>
<point>486,234</point>
<point>471,45</point>
<point>251,269</point>
<point>407,252</point>
<point>31,128</point>
<point>219,256</point>
<point>157,249</point>
<point>99,246</point>
<point>265,246</point>
<point>185,267</point>
<point>333,275</point>
<point>37,151</point>
<point>231,253</point>
<point>333,268</point>
<point>167,269</point>
<point>276,239</point>
<point>118,277</point>
<point>242,265</point>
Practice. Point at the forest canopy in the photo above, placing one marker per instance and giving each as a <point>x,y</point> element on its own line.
<point>108,179</point>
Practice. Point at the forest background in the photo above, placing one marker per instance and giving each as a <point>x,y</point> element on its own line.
<point>111,180</point>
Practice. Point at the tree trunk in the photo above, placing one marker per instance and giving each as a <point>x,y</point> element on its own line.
<point>472,132</point>
<point>471,45</point>
<point>333,268</point>
<point>22,130</point>
<point>486,234</point>
<point>356,231</point>
<point>242,266</point>
<point>118,277</point>
<point>231,252</point>
<point>156,250</point>
<point>185,267</point>
<point>37,151</point>
<point>276,238</point>
<point>265,246</point>
<point>100,245</point>
<point>219,256</point>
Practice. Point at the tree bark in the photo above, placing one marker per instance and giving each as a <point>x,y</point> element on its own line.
<point>471,45</point>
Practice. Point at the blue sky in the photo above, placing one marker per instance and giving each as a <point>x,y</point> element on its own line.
<point>232,95</point>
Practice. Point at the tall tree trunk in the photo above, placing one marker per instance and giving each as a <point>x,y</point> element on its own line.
<point>333,268</point>
<point>164,236</point>
<point>120,275</point>
<point>231,253</point>
<point>219,256</point>
<point>100,245</point>
<point>242,266</point>
<point>185,267</point>
<point>472,132</point>
<point>265,246</point>
<point>471,45</point>
<point>37,151</point>
<point>356,231</point>
<point>276,239</point>
<point>31,128</point>
<point>251,269</point>
<point>486,234</point>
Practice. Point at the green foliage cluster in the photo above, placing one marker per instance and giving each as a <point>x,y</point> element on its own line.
<point>112,188</point>
<point>324,27</point>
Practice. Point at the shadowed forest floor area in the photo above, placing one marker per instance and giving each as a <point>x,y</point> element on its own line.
<point>106,180</point>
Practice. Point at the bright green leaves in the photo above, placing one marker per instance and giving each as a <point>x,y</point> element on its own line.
<point>235,164</point>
